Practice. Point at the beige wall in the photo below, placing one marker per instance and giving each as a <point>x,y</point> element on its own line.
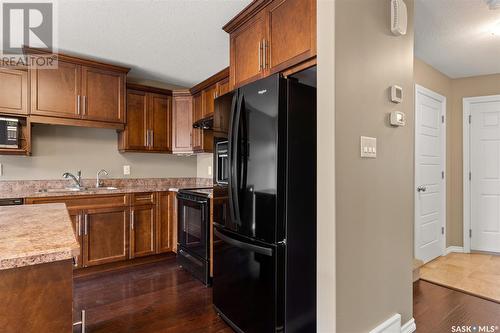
<point>455,90</point>
<point>374,205</point>
<point>63,148</point>
<point>326,254</point>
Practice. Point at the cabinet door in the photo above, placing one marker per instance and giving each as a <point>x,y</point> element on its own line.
<point>246,63</point>
<point>137,122</point>
<point>172,197</point>
<point>197,115</point>
<point>292,33</point>
<point>56,92</point>
<point>223,87</point>
<point>142,226</point>
<point>106,235</point>
<point>160,118</point>
<point>103,95</point>
<point>208,96</point>
<point>76,221</point>
<point>13,91</point>
<point>182,124</point>
<point>164,225</point>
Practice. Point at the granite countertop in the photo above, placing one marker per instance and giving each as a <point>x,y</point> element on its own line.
<point>35,189</point>
<point>35,234</point>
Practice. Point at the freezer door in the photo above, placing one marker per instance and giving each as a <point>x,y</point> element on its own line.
<point>244,284</point>
<point>253,160</point>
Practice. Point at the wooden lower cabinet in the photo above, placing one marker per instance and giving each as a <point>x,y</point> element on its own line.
<point>76,220</point>
<point>142,231</point>
<point>111,228</point>
<point>105,235</point>
<point>166,218</point>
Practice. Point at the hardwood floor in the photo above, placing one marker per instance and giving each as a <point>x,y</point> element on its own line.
<point>153,298</point>
<point>436,309</point>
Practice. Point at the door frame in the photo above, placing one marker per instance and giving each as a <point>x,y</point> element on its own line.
<point>467,102</point>
<point>442,99</point>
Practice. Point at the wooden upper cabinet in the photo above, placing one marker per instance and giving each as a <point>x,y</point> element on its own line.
<point>142,227</point>
<point>134,136</point>
<point>182,122</point>
<point>292,33</point>
<point>271,36</point>
<point>246,51</point>
<point>79,92</point>
<point>197,106</point>
<point>105,235</point>
<point>149,120</point>
<point>160,122</point>
<point>223,87</point>
<point>56,92</point>
<point>208,96</point>
<point>13,91</point>
<point>103,94</point>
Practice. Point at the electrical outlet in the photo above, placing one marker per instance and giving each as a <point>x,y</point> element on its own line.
<point>209,171</point>
<point>126,170</point>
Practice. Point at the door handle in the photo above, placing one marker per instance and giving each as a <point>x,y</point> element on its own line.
<point>421,188</point>
<point>86,223</point>
<point>79,225</point>
<point>78,99</point>
<point>132,219</point>
<point>84,105</point>
<point>260,56</point>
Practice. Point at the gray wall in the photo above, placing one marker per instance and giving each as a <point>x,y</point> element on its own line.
<point>374,205</point>
<point>63,148</point>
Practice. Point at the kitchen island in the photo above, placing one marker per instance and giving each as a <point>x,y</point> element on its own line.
<point>37,244</point>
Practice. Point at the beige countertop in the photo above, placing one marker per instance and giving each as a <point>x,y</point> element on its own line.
<point>35,234</point>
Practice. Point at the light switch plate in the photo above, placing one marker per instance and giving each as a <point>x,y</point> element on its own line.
<point>368,147</point>
<point>126,170</point>
<point>209,170</point>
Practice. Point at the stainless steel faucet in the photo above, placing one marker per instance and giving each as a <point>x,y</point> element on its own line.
<point>98,182</point>
<point>76,179</point>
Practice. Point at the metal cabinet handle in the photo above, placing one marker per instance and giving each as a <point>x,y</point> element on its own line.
<point>421,188</point>
<point>79,225</point>
<point>260,56</point>
<point>84,107</point>
<point>264,43</point>
<point>132,219</point>
<point>86,224</point>
<point>82,322</point>
<point>78,98</point>
<point>152,137</point>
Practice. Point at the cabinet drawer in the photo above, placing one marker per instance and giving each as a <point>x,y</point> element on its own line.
<point>84,201</point>
<point>143,198</point>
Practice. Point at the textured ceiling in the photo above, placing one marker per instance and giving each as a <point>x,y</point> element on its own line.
<point>176,41</point>
<point>454,36</point>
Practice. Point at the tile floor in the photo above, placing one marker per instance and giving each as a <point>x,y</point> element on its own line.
<point>476,274</point>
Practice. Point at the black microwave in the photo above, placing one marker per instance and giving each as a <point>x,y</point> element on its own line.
<point>9,132</point>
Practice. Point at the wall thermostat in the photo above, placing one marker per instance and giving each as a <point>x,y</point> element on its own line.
<point>396,94</point>
<point>398,118</point>
<point>399,17</point>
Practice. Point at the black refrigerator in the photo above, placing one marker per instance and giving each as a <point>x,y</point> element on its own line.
<point>265,213</point>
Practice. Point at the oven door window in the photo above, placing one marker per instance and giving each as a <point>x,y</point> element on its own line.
<point>192,227</point>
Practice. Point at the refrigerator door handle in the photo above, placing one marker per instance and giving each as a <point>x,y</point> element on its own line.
<point>243,245</point>
<point>233,137</point>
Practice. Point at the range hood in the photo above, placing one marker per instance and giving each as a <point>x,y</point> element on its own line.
<point>206,123</point>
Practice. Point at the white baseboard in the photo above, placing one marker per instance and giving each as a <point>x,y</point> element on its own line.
<point>456,249</point>
<point>393,325</point>
<point>409,327</point>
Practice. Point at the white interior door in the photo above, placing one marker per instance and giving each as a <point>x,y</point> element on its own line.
<point>430,155</point>
<point>485,175</point>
